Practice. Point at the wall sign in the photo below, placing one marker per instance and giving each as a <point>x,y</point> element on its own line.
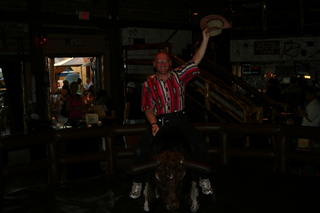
<point>266,47</point>
<point>281,49</point>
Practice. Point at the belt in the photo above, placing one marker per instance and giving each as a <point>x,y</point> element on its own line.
<point>164,118</point>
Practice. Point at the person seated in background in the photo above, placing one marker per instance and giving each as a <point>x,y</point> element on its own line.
<point>108,116</point>
<point>87,85</point>
<point>310,117</point>
<point>89,98</point>
<point>88,102</point>
<point>65,91</point>
<point>80,87</point>
<point>90,90</point>
<point>311,113</point>
<point>65,88</point>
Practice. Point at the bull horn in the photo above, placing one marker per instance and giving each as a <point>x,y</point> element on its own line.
<point>143,168</point>
<point>199,167</point>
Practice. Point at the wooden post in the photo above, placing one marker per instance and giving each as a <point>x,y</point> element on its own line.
<point>252,115</point>
<point>54,156</point>
<point>224,148</point>
<point>282,146</point>
<point>110,152</point>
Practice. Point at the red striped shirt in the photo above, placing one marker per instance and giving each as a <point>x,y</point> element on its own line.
<point>167,97</point>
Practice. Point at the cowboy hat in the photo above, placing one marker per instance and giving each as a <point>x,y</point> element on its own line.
<point>131,84</point>
<point>215,23</point>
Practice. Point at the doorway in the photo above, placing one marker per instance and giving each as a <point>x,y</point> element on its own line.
<point>70,69</point>
<point>61,67</point>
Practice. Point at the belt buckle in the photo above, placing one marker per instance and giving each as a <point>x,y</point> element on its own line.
<point>163,120</point>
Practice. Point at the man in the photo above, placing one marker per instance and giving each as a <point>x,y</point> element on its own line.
<point>88,84</point>
<point>163,96</point>
<point>311,115</point>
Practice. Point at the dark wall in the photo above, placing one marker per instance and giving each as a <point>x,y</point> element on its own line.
<point>14,100</point>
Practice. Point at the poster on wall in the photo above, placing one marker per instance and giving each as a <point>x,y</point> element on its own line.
<point>301,68</point>
<point>266,47</point>
<point>249,69</point>
<point>282,49</point>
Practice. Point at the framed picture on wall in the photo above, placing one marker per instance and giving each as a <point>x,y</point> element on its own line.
<point>249,69</point>
<point>301,68</point>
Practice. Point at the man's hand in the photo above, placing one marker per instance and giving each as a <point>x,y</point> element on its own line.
<point>205,33</point>
<point>302,113</point>
<point>151,117</point>
<point>155,129</point>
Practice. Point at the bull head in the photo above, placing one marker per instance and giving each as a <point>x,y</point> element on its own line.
<point>170,169</point>
<point>169,174</point>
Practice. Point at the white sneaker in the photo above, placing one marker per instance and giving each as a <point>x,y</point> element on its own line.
<point>136,190</point>
<point>206,186</point>
<point>146,207</point>
<point>194,197</point>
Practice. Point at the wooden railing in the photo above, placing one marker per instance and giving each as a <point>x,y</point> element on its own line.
<point>253,98</point>
<point>217,93</point>
<point>281,154</point>
<point>216,87</point>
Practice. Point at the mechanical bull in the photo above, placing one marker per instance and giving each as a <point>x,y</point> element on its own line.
<point>171,176</point>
